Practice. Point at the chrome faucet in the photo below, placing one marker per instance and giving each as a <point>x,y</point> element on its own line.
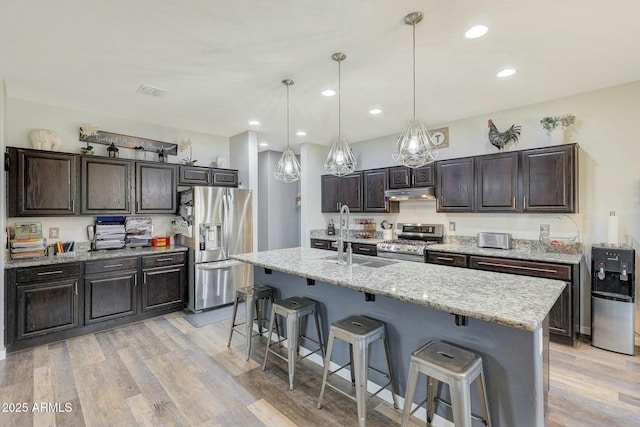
<point>341,239</point>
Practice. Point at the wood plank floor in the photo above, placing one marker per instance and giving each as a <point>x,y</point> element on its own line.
<point>165,372</point>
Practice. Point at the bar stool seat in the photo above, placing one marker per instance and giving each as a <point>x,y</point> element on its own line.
<point>254,297</point>
<point>358,332</point>
<point>454,366</point>
<point>293,309</point>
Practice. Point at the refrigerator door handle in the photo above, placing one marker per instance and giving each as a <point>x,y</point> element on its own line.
<point>226,238</point>
<point>220,265</point>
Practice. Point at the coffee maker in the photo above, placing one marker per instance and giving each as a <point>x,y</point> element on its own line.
<point>613,298</point>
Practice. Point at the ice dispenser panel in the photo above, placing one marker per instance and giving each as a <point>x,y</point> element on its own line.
<point>210,236</point>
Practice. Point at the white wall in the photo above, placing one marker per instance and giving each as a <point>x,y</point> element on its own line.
<point>279,217</point>
<point>606,129</point>
<point>23,116</point>
<point>243,155</point>
<point>312,158</point>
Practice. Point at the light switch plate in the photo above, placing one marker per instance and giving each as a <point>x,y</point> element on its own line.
<point>54,232</point>
<point>452,226</point>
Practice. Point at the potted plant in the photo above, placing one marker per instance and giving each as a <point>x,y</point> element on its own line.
<point>184,144</point>
<point>556,125</point>
<point>550,123</point>
<point>86,131</point>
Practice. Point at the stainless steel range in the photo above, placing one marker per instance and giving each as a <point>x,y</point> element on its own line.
<point>411,242</point>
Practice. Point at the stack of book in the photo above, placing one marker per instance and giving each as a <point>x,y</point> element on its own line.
<point>28,241</point>
<point>139,230</point>
<point>28,248</point>
<point>109,232</point>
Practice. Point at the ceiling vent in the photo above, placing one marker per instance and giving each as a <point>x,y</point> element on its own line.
<point>153,91</point>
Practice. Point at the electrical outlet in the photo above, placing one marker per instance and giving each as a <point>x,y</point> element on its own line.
<point>54,232</point>
<point>452,226</point>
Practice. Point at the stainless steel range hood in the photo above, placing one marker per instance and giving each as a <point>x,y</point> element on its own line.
<point>415,194</point>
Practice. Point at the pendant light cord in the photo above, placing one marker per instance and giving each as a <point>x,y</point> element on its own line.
<point>288,127</point>
<point>414,70</point>
<point>339,101</point>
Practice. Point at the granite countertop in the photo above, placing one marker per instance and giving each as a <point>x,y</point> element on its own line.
<point>516,301</point>
<point>528,251</point>
<point>527,254</point>
<point>93,256</point>
<point>322,235</point>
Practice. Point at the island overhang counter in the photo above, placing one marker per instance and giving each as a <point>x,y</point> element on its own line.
<point>501,317</point>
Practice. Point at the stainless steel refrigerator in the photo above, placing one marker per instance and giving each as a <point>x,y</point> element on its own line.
<point>221,225</point>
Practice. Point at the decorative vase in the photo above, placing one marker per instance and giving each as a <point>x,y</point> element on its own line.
<point>556,135</point>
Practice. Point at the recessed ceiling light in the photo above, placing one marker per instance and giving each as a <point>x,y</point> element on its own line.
<point>506,72</point>
<point>375,111</point>
<point>254,122</point>
<point>475,32</point>
<point>301,133</point>
<point>263,144</point>
<point>328,92</point>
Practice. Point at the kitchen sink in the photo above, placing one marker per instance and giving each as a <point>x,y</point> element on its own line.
<point>363,261</point>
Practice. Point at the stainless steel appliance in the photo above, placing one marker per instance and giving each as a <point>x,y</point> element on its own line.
<point>494,240</point>
<point>613,298</point>
<point>221,225</point>
<point>411,242</point>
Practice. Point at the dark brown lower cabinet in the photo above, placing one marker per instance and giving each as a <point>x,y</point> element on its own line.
<point>564,317</point>
<point>46,307</point>
<point>44,304</point>
<point>109,296</point>
<point>163,283</point>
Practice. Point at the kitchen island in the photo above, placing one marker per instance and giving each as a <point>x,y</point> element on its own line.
<point>502,317</point>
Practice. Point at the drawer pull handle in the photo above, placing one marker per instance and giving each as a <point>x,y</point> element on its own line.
<point>164,259</point>
<point>46,273</point>
<point>364,249</point>
<point>112,265</point>
<point>518,267</point>
<point>441,258</point>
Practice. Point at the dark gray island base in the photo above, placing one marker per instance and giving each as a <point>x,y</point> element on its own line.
<point>514,353</point>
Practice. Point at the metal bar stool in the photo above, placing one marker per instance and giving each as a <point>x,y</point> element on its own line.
<point>254,297</point>
<point>293,309</point>
<point>359,332</point>
<point>455,366</point>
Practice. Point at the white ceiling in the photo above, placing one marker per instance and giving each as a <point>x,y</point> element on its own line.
<point>223,61</point>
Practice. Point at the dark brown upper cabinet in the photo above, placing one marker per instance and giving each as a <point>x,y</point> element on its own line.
<point>194,175</point>
<point>376,182</point>
<point>549,179</point>
<point>338,191</point>
<point>496,179</point>
<point>405,177</point>
<point>156,188</point>
<point>455,185</point>
<point>106,185</point>
<point>41,183</point>
<point>197,175</point>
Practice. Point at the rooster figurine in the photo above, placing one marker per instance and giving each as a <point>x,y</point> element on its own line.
<point>501,139</point>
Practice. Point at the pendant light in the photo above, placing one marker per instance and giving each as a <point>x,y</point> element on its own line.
<point>340,160</point>
<point>415,147</point>
<point>288,169</point>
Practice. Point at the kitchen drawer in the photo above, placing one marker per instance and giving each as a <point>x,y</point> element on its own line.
<point>48,273</point>
<point>364,249</point>
<point>320,244</point>
<point>445,258</point>
<point>107,265</point>
<point>162,260</point>
<point>523,268</point>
